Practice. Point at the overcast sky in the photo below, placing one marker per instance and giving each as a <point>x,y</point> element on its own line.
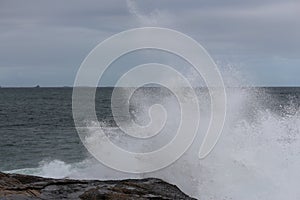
<point>44,42</point>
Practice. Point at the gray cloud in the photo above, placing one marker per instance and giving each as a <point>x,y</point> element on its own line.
<point>51,37</point>
<point>260,26</point>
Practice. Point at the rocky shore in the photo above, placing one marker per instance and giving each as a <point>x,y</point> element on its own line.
<point>25,187</point>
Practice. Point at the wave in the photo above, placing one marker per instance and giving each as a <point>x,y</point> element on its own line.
<point>257,156</point>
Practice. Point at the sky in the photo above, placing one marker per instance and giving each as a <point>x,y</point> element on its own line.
<point>44,42</point>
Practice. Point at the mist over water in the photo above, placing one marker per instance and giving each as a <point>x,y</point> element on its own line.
<point>257,156</point>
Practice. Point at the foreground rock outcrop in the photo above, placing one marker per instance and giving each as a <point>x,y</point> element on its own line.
<point>24,187</point>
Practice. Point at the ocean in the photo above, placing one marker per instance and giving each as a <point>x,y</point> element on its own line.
<point>256,157</point>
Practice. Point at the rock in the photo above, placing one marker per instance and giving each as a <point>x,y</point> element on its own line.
<point>25,187</point>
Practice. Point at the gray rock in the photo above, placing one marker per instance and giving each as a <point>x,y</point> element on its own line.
<point>24,187</point>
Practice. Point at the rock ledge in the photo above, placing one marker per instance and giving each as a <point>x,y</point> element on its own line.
<point>25,187</point>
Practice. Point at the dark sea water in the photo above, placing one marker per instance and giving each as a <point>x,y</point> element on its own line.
<point>37,128</point>
<point>36,124</point>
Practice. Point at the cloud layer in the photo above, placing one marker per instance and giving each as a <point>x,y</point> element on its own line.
<point>45,41</point>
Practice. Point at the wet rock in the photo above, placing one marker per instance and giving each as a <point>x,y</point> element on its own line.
<point>25,187</point>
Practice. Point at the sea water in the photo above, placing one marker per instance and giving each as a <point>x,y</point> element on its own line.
<point>256,157</point>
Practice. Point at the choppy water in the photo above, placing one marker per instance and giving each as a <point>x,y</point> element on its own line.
<point>36,124</point>
<point>257,157</point>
